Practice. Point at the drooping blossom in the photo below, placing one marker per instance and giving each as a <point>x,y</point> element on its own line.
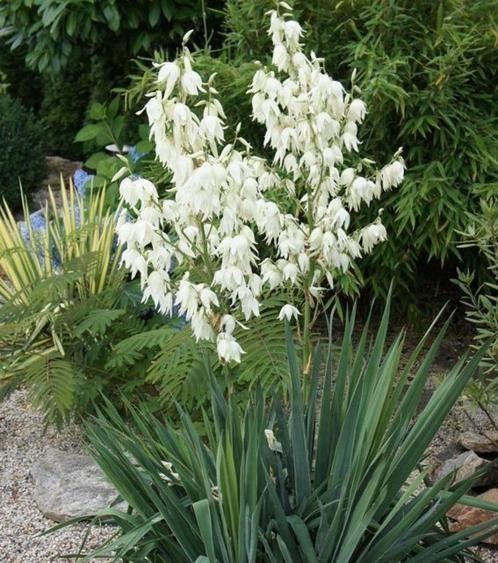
<point>224,198</point>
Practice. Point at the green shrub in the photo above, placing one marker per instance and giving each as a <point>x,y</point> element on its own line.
<point>63,109</point>
<point>62,57</point>
<point>232,82</point>
<point>335,477</point>
<point>23,83</point>
<point>22,159</point>
<point>68,98</point>
<point>65,305</point>
<point>56,33</point>
<point>60,100</point>
<point>482,302</point>
<point>109,124</point>
<point>428,74</point>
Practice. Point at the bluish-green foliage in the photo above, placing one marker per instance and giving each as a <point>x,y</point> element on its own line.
<point>332,476</point>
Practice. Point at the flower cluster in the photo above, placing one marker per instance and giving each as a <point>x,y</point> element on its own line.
<point>224,199</point>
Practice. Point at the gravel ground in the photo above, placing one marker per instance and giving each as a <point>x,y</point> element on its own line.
<point>22,441</point>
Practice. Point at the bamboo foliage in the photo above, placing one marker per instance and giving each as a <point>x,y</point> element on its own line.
<point>428,73</point>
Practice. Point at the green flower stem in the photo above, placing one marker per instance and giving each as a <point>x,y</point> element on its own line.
<point>306,334</point>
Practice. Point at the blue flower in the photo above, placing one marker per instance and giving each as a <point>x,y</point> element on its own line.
<point>77,216</point>
<point>135,154</point>
<point>23,227</point>
<point>81,178</point>
<point>56,257</point>
<point>38,221</point>
<point>36,243</point>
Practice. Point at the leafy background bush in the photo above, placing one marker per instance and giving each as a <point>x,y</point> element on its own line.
<point>481,302</point>
<point>25,83</point>
<point>430,89</point>
<point>428,73</point>
<point>54,33</point>
<point>63,108</point>
<point>22,158</point>
<point>78,51</point>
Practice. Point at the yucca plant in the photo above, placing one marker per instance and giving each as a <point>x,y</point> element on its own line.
<point>73,229</point>
<point>333,476</point>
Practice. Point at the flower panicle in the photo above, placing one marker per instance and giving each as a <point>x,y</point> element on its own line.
<point>225,198</point>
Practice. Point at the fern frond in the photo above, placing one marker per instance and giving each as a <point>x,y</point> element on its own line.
<point>177,369</point>
<point>265,360</point>
<point>97,321</point>
<point>51,381</point>
<point>44,290</point>
<point>127,351</point>
<point>8,382</point>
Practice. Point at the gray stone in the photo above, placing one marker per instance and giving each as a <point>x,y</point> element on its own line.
<point>68,485</point>
<point>57,167</point>
<point>465,465</point>
<point>478,442</point>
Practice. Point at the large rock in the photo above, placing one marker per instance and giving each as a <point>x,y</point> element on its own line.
<point>465,517</point>
<point>464,466</point>
<point>479,442</point>
<point>69,485</point>
<point>56,167</point>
